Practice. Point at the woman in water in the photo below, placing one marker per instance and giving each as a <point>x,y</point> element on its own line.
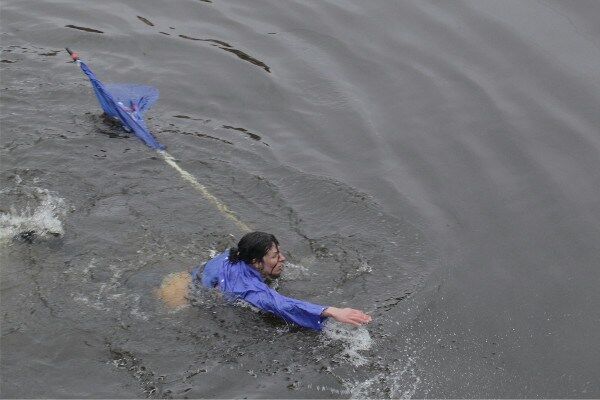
<point>240,273</point>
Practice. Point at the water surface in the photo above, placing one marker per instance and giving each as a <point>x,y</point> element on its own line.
<point>434,163</point>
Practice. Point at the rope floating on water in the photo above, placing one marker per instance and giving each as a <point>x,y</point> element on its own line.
<point>204,191</point>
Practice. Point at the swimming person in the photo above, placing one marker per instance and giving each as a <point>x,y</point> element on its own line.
<point>240,273</point>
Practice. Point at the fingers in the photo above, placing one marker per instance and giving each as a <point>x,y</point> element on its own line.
<point>348,316</point>
<point>357,317</point>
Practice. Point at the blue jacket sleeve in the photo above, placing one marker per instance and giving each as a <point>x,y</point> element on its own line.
<point>299,312</point>
<point>242,285</point>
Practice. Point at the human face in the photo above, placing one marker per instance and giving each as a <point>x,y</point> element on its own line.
<point>272,262</point>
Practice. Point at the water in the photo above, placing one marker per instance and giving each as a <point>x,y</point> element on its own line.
<point>434,163</point>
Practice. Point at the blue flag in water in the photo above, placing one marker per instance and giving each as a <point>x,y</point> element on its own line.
<point>127,103</point>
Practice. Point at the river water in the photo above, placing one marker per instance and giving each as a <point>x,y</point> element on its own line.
<point>436,164</point>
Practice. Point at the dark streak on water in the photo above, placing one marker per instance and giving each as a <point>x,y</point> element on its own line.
<point>248,58</point>
<point>227,47</point>
<point>435,163</point>
<point>252,136</point>
<point>198,134</point>
<point>145,20</point>
<point>83,28</point>
<point>191,118</point>
<point>190,38</point>
<point>219,42</point>
<point>50,53</point>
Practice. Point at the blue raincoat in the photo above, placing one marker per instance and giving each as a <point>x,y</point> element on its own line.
<point>241,281</point>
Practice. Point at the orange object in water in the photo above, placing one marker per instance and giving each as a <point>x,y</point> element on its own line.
<point>174,289</point>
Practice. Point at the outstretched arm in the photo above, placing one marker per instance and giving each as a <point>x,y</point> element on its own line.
<point>300,312</point>
<point>303,313</point>
<point>347,315</point>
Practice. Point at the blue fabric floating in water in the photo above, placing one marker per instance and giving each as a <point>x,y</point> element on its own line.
<point>127,103</point>
<point>140,96</point>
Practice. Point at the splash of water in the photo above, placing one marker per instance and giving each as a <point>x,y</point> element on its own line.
<point>399,381</point>
<point>41,214</point>
<point>353,340</point>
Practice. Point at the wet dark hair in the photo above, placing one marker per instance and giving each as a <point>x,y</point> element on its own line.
<point>252,246</point>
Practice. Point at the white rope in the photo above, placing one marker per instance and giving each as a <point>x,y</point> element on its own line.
<point>204,191</point>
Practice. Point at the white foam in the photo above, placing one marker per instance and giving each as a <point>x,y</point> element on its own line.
<point>212,253</point>
<point>295,271</point>
<point>401,381</point>
<point>244,304</point>
<point>365,267</point>
<point>323,388</point>
<point>42,213</point>
<point>353,340</point>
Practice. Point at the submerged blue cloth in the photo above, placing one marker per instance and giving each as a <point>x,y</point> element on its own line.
<point>127,103</point>
<point>241,281</point>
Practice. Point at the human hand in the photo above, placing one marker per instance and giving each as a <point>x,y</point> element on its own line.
<point>347,316</point>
